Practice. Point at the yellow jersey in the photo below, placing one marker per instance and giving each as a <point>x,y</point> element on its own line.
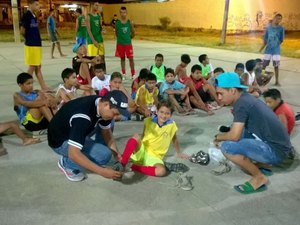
<point>147,98</point>
<point>157,138</point>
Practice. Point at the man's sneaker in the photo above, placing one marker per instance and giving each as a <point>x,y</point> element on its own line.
<point>222,168</point>
<point>72,175</point>
<point>176,167</point>
<point>224,129</point>
<point>184,182</point>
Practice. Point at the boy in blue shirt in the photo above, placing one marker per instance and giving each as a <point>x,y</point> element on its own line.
<point>273,38</point>
<point>176,92</point>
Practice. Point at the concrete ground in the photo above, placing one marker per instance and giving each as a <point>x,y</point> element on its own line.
<point>34,191</point>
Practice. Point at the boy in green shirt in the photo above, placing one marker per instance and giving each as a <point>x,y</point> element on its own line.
<point>124,33</point>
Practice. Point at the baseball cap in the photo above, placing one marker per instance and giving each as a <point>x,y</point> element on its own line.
<point>118,99</point>
<point>229,80</point>
<point>75,47</point>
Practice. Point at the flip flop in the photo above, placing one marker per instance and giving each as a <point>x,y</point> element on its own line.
<point>267,172</point>
<point>247,188</point>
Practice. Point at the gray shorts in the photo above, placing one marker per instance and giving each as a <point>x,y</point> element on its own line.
<point>53,37</point>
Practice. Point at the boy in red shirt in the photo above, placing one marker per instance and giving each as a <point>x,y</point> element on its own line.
<point>284,112</point>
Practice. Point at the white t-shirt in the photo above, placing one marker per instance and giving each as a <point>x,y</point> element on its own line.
<point>98,84</point>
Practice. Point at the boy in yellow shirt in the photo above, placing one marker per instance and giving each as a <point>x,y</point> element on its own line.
<point>147,152</point>
<point>146,96</point>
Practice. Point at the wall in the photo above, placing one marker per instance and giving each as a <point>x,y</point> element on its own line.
<point>243,14</point>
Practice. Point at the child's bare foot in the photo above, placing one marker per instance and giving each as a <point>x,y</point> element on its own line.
<point>31,141</point>
<point>210,113</point>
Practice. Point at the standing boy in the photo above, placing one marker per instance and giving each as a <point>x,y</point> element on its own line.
<point>273,38</point>
<point>81,31</point>
<point>53,33</point>
<point>33,42</point>
<point>94,29</point>
<point>125,32</point>
<point>256,134</point>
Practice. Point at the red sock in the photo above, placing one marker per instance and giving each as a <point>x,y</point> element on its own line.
<point>148,170</point>
<point>123,71</point>
<point>132,72</point>
<point>129,149</point>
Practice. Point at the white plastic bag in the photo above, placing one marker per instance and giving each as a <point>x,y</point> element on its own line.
<point>216,154</point>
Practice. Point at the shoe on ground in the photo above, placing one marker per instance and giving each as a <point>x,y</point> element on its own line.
<point>184,182</point>
<point>297,118</point>
<point>72,175</point>
<point>39,133</point>
<point>222,168</point>
<point>3,151</point>
<point>200,157</point>
<point>176,167</point>
<point>224,129</point>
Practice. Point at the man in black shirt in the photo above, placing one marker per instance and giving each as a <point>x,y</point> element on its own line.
<point>70,129</point>
<point>256,134</point>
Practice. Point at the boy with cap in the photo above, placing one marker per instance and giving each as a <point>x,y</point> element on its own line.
<point>78,119</point>
<point>255,135</point>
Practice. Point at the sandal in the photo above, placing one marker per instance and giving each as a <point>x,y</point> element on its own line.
<point>201,158</point>
<point>247,188</point>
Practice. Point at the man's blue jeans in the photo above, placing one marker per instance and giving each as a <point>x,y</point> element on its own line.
<point>253,148</point>
<point>95,150</point>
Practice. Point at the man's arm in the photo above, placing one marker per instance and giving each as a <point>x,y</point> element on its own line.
<point>132,30</point>
<point>234,134</point>
<point>39,102</point>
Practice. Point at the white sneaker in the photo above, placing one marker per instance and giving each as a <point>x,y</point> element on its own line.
<point>72,175</point>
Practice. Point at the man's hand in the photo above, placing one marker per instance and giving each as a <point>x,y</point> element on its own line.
<point>109,173</point>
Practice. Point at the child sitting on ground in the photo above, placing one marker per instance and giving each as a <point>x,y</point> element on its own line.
<point>80,63</point>
<point>284,112</point>
<point>34,108</point>
<point>207,69</point>
<point>175,91</point>
<point>262,77</point>
<point>159,68</point>
<point>101,80</point>
<point>16,129</point>
<point>146,97</point>
<point>116,83</point>
<point>67,90</point>
<point>187,81</point>
<point>239,69</point>
<point>248,78</point>
<point>206,91</point>
<point>147,152</point>
<point>217,72</point>
<point>139,81</point>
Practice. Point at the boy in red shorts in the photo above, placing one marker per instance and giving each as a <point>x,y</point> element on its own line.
<point>124,33</point>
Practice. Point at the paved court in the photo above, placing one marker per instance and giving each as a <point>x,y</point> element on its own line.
<point>34,191</point>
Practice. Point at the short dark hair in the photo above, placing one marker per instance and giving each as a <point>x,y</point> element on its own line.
<point>219,70</point>
<point>23,77</point>
<point>258,60</point>
<point>151,76</point>
<point>51,10</point>
<point>66,73</point>
<point>166,103</point>
<point>99,66</point>
<point>123,8</point>
<point>239,66</point>
<point>79,10</point>
<point>196,67</point>
<point>143,74</point>
<point>159,55</point>
<point>169,70</point>
<point>278,14</point>
<point>250,64</point>
<point>185,58</point>
<point>272,93</point>
<point>116,75</point>
<point>202,57</point>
